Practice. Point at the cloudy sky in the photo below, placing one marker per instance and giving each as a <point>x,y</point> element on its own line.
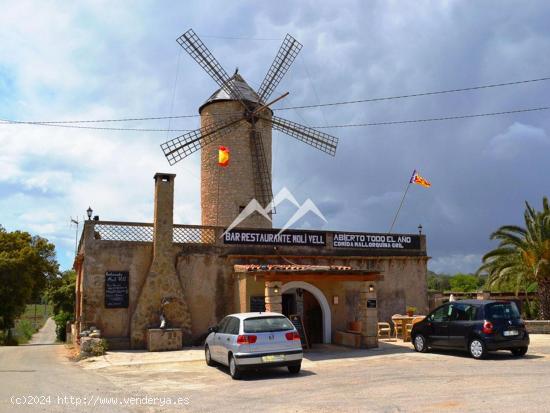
<point>110,60</point>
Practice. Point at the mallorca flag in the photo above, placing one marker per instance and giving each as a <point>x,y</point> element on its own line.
<point>223,156</point>
<point>417,179</point>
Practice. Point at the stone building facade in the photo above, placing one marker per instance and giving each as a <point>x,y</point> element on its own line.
<point>195,275</point>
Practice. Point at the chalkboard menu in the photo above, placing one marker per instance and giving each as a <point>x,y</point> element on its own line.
<point>257,304</point>
<point>116,289</point>
<point>299,325</point>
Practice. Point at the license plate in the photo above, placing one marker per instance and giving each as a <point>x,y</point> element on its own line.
<point>511,333</point>
<point>273,358</point>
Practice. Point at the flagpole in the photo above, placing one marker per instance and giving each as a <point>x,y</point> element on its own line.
<point>400,205</point>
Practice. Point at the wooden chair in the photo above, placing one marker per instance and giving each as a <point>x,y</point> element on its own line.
<point>409,327</point>
<point>397,326</point>
<point>384,329</point>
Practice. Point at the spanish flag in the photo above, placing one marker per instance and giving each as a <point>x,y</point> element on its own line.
<point>417,179</point>
<point>223,156</point>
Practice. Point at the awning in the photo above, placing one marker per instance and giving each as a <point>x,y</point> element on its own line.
<point>297,272</point>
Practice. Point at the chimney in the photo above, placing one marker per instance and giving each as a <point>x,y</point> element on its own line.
<point>164,215</point>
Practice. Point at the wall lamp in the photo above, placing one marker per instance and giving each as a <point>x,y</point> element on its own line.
<point>371,288</point>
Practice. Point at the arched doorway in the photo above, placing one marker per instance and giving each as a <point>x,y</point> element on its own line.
<point>326,322</point>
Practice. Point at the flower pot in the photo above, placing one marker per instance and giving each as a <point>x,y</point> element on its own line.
<point>354,326</point>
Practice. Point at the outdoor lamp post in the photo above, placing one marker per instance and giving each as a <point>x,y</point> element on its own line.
<point>89,212</point>
<point>420,229</point>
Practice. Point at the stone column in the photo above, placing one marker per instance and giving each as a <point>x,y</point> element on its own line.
<point>483,295</point>
<point>273,297</point>
<point>368,316</point>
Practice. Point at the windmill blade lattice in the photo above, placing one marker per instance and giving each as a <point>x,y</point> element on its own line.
<point>179,148</point>
<point>284,59</point>
<point>202,55</point>
<point>319,140</point>
<point>262,173</point>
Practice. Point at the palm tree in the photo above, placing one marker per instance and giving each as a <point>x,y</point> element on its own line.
<point>523,255</point>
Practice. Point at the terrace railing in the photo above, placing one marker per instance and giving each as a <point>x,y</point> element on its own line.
<point>142,232</point>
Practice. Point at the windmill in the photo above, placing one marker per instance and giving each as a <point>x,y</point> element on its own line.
<point>243,116</point>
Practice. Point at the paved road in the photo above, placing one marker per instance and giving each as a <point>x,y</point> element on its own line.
<point>41,368</point>
<point>391,379</point>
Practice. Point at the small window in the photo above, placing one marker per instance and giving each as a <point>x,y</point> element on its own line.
<point>241,208</point>
<point>462,312</point>
<point>441,314</point>
<point>232,326</point>
<point>503,311</point>
<point>222,325</point>
<point>267,324</point>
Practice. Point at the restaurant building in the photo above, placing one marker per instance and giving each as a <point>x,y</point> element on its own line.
<point>129,273</point>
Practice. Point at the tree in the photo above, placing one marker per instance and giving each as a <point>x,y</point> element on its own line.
<point>61,294</point>
<point>523,255</point>
<point>466,282</point>
<point>26,264</point>
<point>438,282</point>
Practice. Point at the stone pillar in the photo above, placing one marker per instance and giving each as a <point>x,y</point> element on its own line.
<point>273,297</point>
<point>368,316</point>
<point>483,295</point>
<point>162,288</point>
<point>164,216</point>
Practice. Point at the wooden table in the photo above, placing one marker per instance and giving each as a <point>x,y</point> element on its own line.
<point>404,320</point>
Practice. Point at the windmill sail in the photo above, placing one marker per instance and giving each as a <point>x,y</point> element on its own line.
<point>262,171</point>
<point>202,55</point>
<point>178,148</point>
<point>284,59</point>
<point>319,140</point>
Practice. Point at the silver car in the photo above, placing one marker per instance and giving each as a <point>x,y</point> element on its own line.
<point>252,341</point>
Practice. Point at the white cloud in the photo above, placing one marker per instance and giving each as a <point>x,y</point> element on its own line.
<point>519,139</point>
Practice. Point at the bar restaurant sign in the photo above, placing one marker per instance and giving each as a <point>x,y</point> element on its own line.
<point>376,241</point>
<point>272,237</point>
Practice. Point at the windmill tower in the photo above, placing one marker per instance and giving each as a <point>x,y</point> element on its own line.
<point>239,118</point>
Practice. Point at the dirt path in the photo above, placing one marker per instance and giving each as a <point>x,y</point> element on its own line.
<point>46,335</point>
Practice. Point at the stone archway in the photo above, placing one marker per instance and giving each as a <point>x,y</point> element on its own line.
<point>325,308</point>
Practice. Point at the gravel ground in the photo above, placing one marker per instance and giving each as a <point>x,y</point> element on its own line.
<point>392,378</point>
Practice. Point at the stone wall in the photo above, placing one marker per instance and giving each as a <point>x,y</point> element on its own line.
<point>211,290</point>
<point>538,326</point>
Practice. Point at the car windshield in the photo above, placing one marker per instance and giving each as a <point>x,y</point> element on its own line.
<point>267,324</point>
<point>503,311</point>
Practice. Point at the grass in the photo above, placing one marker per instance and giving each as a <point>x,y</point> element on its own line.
<point>31,321</point>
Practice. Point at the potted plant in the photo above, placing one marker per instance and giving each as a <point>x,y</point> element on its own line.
<point>411,310</point>
<point>352,300</point>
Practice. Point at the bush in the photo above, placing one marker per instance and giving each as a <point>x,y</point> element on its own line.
<point>61,324</point>
<point>24,331</point>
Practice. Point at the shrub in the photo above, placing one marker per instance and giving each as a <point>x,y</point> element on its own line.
<point>24,331</point>
<point>61,324</point>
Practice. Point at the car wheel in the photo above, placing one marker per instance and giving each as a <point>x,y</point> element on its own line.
<point>295,369</point>
<point>519,351</point>
<point>477,349</point>
<point>233,369</point>
<point>420,343</point>
<point>208,357</point>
